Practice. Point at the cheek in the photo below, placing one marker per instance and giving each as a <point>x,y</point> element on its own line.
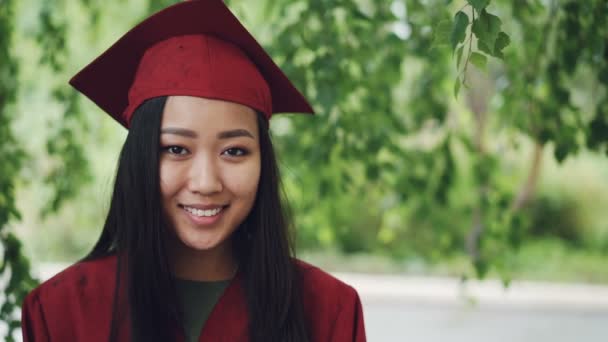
<point>170,179</point>
<point>243,181</point>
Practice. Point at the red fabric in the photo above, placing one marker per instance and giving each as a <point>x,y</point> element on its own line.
<point>199,65</point>
<point>108,79</point>
<point>76,305</point>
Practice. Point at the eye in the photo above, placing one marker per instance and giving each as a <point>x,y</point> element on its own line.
<point>235,152</point>
<point>177,150</point>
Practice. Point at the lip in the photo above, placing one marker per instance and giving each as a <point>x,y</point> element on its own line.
<point>204,220</point>
<point>203,206</point>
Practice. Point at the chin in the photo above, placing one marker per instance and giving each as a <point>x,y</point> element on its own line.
<point>202,244</point>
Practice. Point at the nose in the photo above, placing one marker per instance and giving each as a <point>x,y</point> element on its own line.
<point>205,177</point>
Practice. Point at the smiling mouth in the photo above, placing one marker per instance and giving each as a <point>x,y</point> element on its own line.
<point>203,212</point>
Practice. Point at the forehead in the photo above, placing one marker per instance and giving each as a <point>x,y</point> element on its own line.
<point>208,115</point>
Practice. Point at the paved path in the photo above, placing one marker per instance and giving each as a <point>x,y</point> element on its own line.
<point>443,310</point>
<point>429,323</point>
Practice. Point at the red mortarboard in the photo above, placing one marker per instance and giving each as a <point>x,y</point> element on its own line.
<point>196,48</point>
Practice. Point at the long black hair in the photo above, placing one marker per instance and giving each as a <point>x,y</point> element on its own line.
<point>135,231</point>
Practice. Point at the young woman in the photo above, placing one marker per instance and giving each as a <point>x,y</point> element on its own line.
<point>196,246</point>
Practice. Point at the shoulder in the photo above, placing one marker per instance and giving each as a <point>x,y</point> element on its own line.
<point>317,282</point>
<point>332,306</point>
<point>82,277</point>
<point>73,304</point>
<point>322,292</point>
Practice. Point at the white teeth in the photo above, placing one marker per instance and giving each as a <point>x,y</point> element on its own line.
<point>201,212</point>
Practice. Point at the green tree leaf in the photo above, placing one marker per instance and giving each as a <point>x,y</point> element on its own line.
<point>479,4</point>
<point>486,28</point>
<point>502,41</point>
<point>459,56</point>
<point>457,85</point>
<point>459,29</point>
<point>479,60</point>
<point>481,46</point>
<point>442,33</point>
<point>561,152</point>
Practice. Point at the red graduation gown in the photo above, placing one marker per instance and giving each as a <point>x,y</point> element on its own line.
<point>76,305</point>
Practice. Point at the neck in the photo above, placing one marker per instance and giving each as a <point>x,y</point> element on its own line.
<point>213,265</point>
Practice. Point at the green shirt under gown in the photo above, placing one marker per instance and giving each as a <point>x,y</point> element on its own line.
<point>197,299</point>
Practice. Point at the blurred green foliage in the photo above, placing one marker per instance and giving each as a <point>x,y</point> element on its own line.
<point>393,164</point>
<point>14,267</point>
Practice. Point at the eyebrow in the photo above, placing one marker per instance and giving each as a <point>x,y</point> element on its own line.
<point>221,135</point>
<point>179,131</point>
<point>235,133</point>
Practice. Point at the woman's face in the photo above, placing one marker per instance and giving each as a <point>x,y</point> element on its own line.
<point>209,169</point>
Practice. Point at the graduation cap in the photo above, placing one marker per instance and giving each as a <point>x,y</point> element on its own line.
<point>195,48</point>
